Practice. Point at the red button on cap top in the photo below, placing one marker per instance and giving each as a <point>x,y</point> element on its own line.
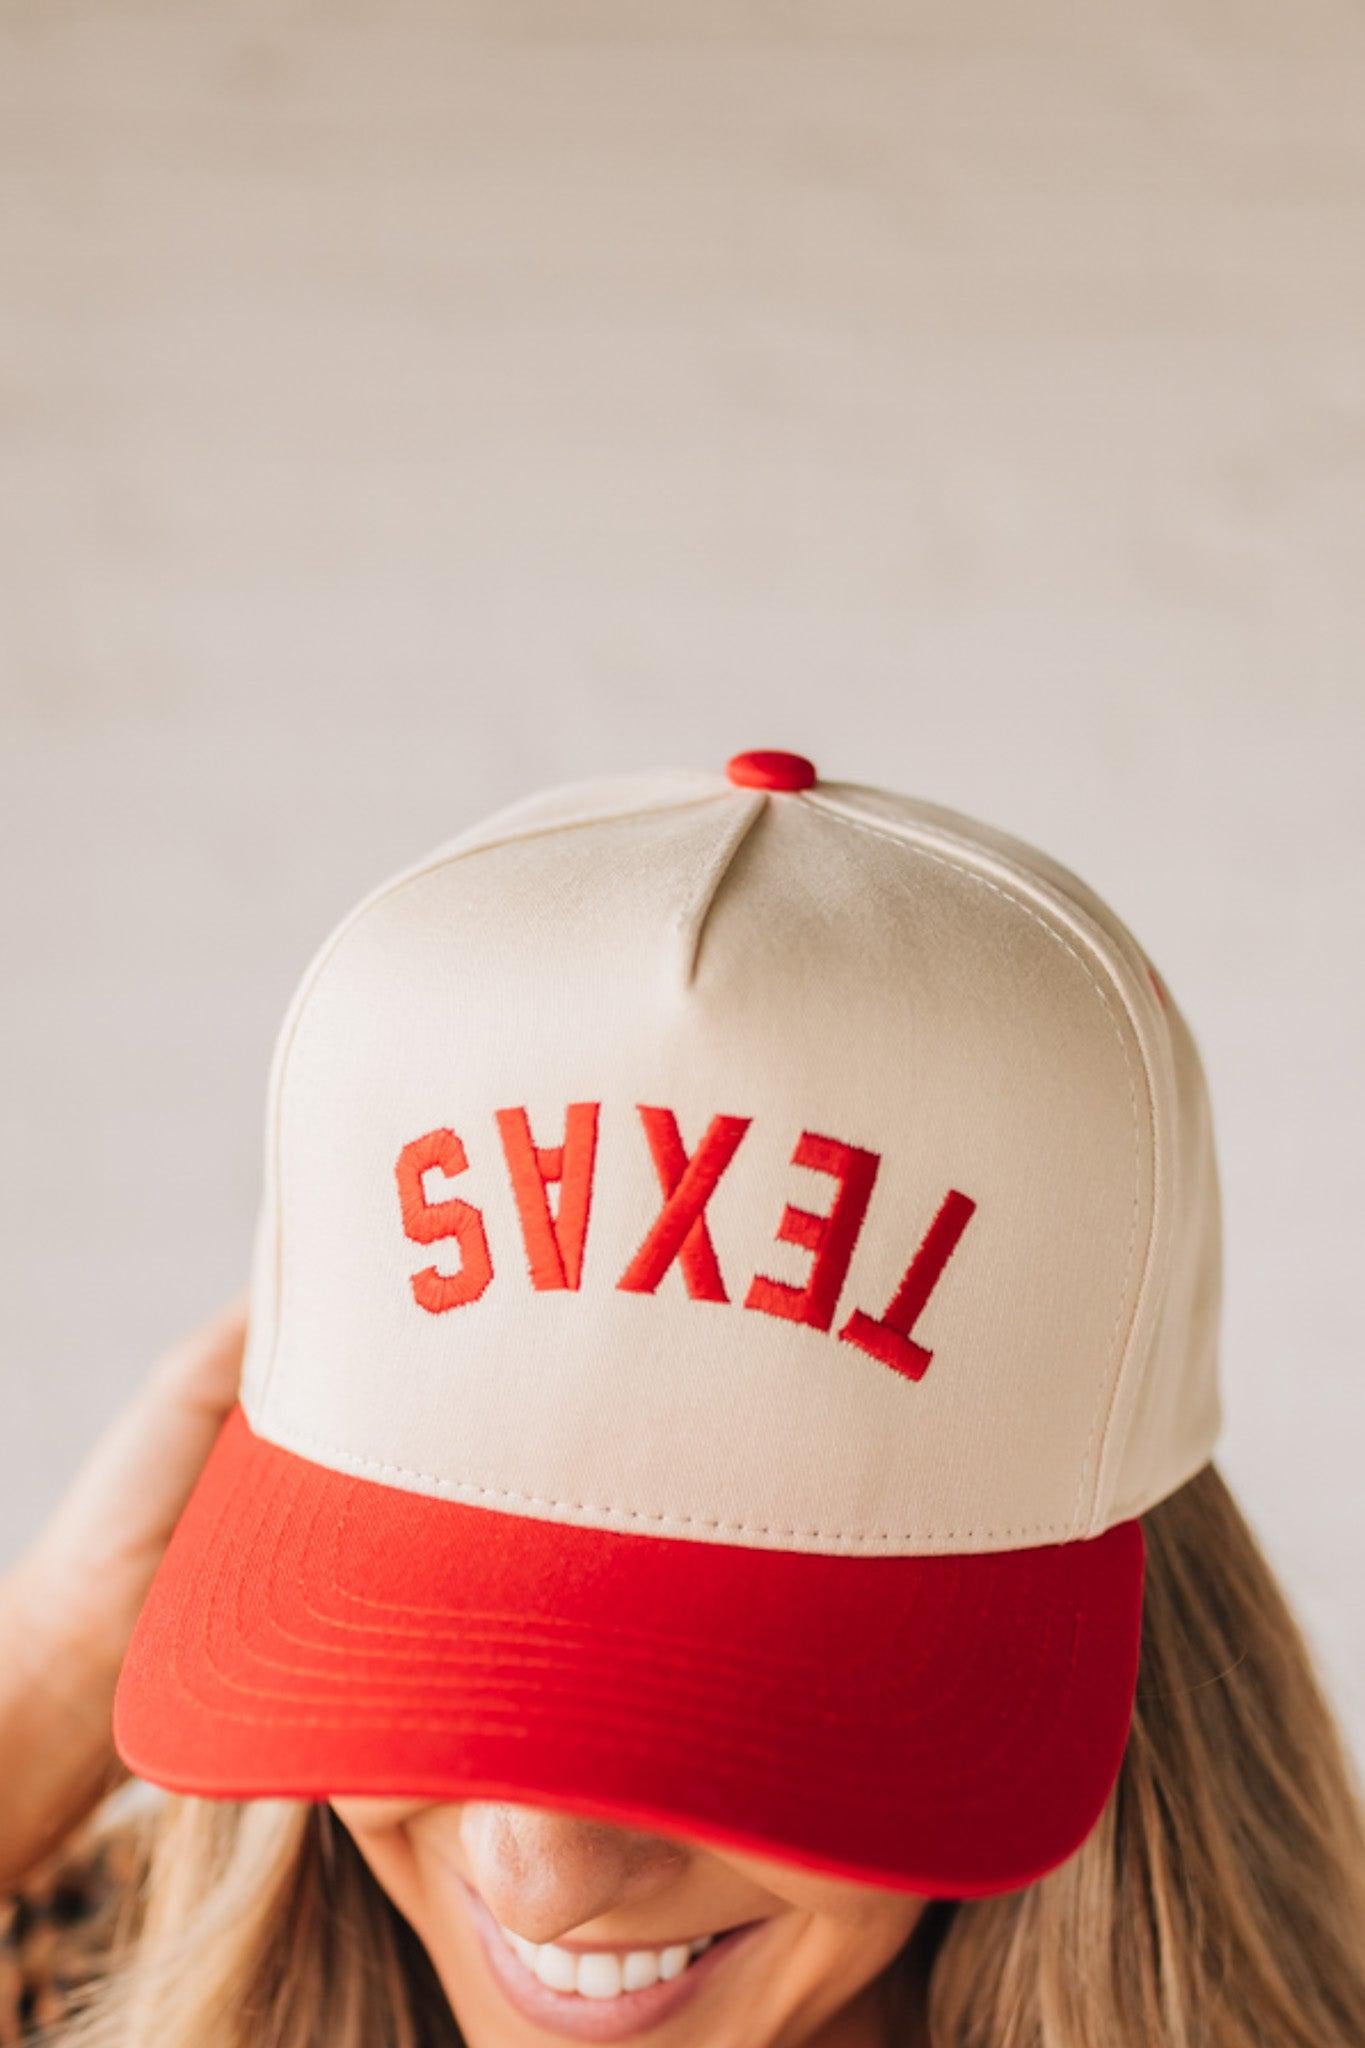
<point>765,768</point>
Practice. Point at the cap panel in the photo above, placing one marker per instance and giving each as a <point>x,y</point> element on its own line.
<point>1164,1414</point>
<point>1169,1413</point>
<point>548,971</point>
<point>565,806</point>
<point>977,841</point>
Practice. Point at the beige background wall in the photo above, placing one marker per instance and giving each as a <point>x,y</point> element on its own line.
<point>404,405</point>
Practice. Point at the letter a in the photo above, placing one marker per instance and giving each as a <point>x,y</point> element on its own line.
<point>554,1244</point>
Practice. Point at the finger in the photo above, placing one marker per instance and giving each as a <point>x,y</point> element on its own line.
<point>204,1368</point>
<point>133,1483</point>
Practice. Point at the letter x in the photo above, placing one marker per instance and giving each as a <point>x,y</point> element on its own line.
<point>679,1231</point>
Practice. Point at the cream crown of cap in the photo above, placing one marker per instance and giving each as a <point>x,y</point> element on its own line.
<point>993,1276</point>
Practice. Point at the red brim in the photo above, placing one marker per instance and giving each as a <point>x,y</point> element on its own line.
<point>944,1725</point>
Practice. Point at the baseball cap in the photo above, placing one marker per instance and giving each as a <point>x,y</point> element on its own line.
<point>738,1255</point>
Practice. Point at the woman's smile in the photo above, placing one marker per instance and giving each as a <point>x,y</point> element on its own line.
<point>600,1992</point>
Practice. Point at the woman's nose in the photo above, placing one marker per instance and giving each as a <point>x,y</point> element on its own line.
<point>546,1874</point>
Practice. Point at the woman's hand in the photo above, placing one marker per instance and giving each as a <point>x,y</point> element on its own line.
<point>67,1608</point>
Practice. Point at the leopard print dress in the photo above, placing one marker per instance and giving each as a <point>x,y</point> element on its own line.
<point>57,1929</point>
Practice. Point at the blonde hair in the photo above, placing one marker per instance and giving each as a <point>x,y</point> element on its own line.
<point>1218,1903</point>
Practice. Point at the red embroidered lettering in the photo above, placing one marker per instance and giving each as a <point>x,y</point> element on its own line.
<point>829,1238</point>
<point>429,1222</point>
<point>889,1339</point>
<point>554,1245</point>
<point>679,1231</point>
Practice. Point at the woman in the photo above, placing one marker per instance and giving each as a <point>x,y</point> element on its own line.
<point>618,1603</point>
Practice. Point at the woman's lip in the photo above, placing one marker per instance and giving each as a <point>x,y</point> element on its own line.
<point>624,1948</point>
<point>594,2019</point>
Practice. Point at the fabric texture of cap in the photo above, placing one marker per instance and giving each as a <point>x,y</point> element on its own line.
<point>738,1255</point>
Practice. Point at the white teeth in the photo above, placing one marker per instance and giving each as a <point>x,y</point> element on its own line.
<point>603,1973</point>
<point>598,1976</point>
<point>554,1966</point>
<point>640,1969</point>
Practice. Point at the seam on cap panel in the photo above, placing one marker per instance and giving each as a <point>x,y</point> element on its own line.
<point>884,829</point>
<point>429,865</point>
<point>1171,1187</point>
<point>691,920</point>
<point>434,1486</point>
